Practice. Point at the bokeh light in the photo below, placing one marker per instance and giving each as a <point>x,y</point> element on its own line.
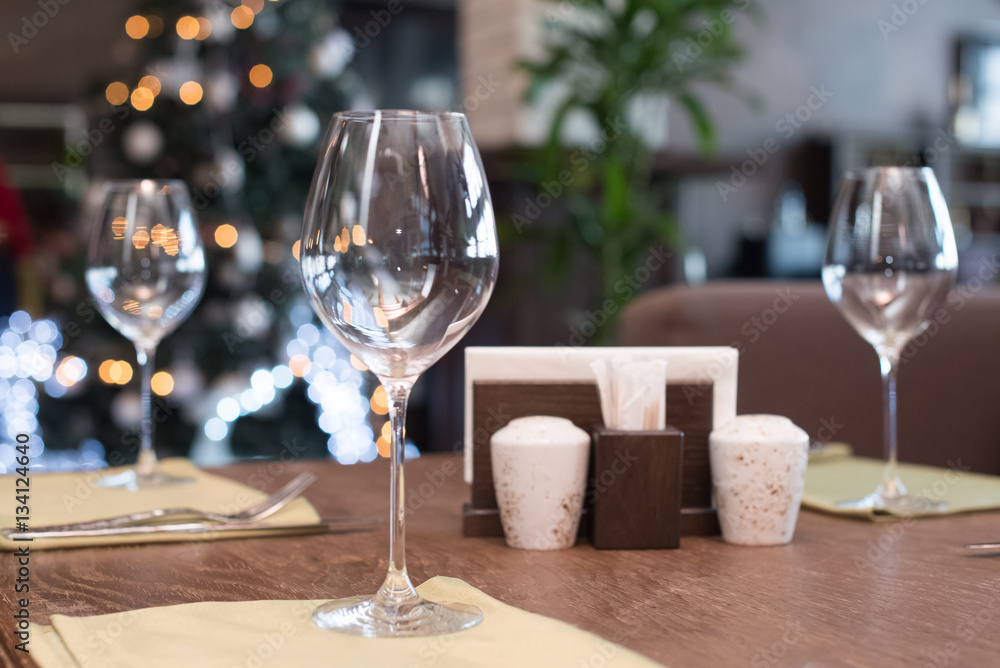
<point>150,83</point>
<point>71,371</point>
<point>187,27</point>
<point>116,93</point>
<point>155,26</point>
<point>242,17</point>
<point>226,235</point>
<point>114,372</point>
<point>260,75</point>
<point>379,401</point>
<point>142,98</point>
<point>299,364</point>
<point>191,92</point>
<point>137,27</point>
<point>162,383</point>
<point>204,28</point>
<point>140,239</point>
<point>358,235</point>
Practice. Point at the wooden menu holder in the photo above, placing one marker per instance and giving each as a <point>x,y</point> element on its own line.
<point>495,403</point>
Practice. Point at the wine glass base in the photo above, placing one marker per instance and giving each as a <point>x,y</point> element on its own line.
<point>904,504</point>
<point>134,481</point>
<point>362,616</point>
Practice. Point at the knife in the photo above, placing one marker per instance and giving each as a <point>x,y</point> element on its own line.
<point>189,528</point>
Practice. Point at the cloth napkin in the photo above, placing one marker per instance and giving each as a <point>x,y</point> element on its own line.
<point>834,475</point>
<point>280,634</point>
<point>60,498</point>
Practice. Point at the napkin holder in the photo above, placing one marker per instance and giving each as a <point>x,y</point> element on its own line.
<point>495,403</point>
<point>634,497</point>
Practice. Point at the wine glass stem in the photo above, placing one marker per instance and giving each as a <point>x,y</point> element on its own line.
<point>889,365</point>
<point>397,588</point>
<point>146,464</point>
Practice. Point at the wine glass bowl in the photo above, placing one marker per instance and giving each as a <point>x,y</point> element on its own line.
<point>890,261</point>
<point>399,257</point>
<point>146,274</point>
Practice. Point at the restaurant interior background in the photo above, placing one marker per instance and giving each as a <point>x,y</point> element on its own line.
<point>763,105</point>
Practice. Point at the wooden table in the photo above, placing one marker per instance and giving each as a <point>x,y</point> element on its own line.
<point>845,593</point>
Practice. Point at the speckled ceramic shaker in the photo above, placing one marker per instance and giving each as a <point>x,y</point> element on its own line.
<point>540,476</point>
<point>758,471</point>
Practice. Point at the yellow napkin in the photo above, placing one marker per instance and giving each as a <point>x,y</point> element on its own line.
<point>833,477</point>
<point>280,634</point>
<point>60,498</point>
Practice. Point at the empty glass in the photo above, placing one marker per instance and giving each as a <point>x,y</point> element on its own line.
<point>399,256</point>
<point>146,273</point>
<point>890,261</point>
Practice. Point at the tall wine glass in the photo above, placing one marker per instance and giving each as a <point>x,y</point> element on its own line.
<point>399,257</point>
<point>890,261</point>
<point>146,273</point>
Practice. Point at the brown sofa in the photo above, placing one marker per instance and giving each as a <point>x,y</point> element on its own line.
<point>800,358</point>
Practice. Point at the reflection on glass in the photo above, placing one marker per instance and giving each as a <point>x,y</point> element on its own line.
<point>146,272</point>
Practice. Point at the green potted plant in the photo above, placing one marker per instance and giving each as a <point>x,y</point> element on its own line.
<point>611,59</point>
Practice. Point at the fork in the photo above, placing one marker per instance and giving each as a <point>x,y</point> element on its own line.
<point>259,511</point>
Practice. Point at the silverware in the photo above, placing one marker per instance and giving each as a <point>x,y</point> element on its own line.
<point>265,508</point>
<point>983,546</point>
<point>188,527</point>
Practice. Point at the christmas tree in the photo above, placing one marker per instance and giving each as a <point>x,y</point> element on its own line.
<point>232,99</point>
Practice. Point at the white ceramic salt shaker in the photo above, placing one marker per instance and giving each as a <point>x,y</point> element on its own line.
<point>758,472</point>
<point>540,476</point>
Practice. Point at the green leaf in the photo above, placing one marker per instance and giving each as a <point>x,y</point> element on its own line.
<point>701,121</point>
<point>616,194</point>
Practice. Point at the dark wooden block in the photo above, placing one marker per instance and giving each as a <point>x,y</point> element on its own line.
<point>635,494</point>
<point>495,403</point>
<point>699,522</point>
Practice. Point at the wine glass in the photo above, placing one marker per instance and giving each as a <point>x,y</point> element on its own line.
<point>890,261</point>
<point>146,273</point>
<point>399,257</point>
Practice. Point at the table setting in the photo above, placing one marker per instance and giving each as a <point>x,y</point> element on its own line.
<point>610,507</point>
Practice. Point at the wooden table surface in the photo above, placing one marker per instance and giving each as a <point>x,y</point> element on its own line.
<point>844,593</point>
